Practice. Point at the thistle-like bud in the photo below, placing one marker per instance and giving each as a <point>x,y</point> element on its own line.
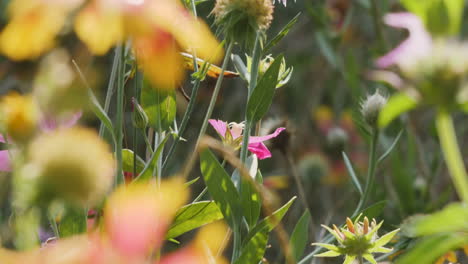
<point>19,116</point>
<point>240,19</point>
<point>371,106</point>
<point>73,165</point>
<point>139,116</point>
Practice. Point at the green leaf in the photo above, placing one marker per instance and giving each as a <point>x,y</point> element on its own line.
<point>464,107</point>
<point>382,241</point>
<point>254,250</point>
<point>220,187</point>
<point>159,105</point>
<point>392,146</point>
<point>397,104</point>
<point>326,49</point>
<point>148,172</point>
<point>73,222</point>
<point>187,184</point>
<point>272,220</point>
<point>240,67</point>
<point>250,198</point>
<point>453,218</point>
<point>374,210</point>
<point>432,247</point>
<point>193,216</point>
<point>283,32</point>
<point>127,159</point>
<point>101,114</point>
<point>300,235</point>
<point>351,173</point>
<point>327,254</point>
<point>262,96</point>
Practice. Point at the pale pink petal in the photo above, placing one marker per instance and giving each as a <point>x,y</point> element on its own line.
<point>187,255</point>
<point>2,139</point>
<point>220,126</point>
<point>267,137</point>
<point>416,46</point>
<point>49,123</point>
<point>260,150</point>
<point>72,120</point>
<point>5,164</point>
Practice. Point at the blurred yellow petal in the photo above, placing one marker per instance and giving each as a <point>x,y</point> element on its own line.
<point>29,35</point>
<point>19,116</point>
<point>99,29</point>
<point>192,34</point>
<point>160,59</point>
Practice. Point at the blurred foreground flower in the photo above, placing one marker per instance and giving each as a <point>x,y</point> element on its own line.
<point>72,164</point>
<point>19,116</point>
<point>231,134</point>
<point>357,240</point>
<point>136,218</point>
<point>432,71</point>
<point>159,30</point>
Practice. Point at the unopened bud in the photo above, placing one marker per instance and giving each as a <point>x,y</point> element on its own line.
<point>139,116</point>
<point>371,106</point>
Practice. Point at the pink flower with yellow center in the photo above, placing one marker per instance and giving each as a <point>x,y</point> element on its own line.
<point>231,135</point>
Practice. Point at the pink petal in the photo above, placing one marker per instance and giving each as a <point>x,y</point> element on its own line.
<point>220,126</point>
<point>2,139</point>
<point>49,123</point>
<point>416,46</point>
<point>267,137</point>
<point>5,164</point>
<point>260,150</point>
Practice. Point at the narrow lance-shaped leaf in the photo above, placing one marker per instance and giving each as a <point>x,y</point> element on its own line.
<point>159,106</point>
<point>253,251</point>
<point>262,96</point>
<point>220,187</point>
<point>300,235</point>
<point>283,32</point>
<point>193,216</point>
<point>147,172</point>
<point>351,173</point>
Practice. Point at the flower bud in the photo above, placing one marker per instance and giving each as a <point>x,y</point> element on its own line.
<point>284,74</point>
<point>19,116</point>
<point>139,116</point>
<point>371,106</point>
<point>73,165</point>
<point>240,19</point>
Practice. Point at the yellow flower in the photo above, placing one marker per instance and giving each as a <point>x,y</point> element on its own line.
<point>160,29</point>
<point>19,116</point>
<point>33,26</point>
<point>449,256</point>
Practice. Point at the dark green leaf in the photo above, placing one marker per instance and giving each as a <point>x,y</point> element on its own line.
<point>272,220</point>
<point>127,159</point>
<point>151,165</point>
<point>300,235</point>
<point>73,222</point>
<point>392,146</point>
<point>283,32</point>
<point>159,105</point>
<point>101,114</point>
<point>254,250</point>
<point>262,96</point>
<point>351,173</point>
<point>374,210</point>
<point>220,187</point>
<point>194,216</point>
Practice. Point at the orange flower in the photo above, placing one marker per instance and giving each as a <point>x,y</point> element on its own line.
<point>159,29</point>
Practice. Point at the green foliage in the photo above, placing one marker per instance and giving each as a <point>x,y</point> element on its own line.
<point>193,216</point>
<point>127,159</point>
<point>352,174</point>
<point>220,187</point>
<point>396,105</point>
<point>262,96</point>
<point>281,34</point>
<point>149,170</point>
<point>442,17</point>
<point>72,222</point>
<point>300,235</point>
<point>159,105</point>
<point>254,250</point>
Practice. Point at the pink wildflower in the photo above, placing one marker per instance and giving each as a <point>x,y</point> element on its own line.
<point>232,135</point>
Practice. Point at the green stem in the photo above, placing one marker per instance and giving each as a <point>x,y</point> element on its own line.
<point>370,172</point>
<point>214,96</point>
<point>110,88</point>
<point>120,114</point>
<point>452,154</point>
<point>379,28</point>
